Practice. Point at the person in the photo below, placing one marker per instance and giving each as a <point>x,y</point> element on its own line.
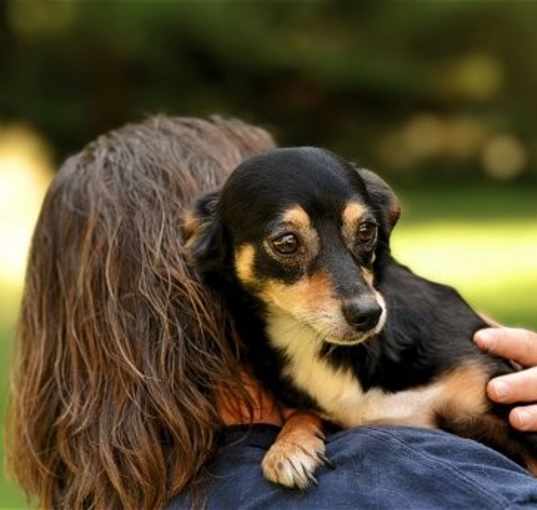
<point>129,390</point>
<point>121,352</point>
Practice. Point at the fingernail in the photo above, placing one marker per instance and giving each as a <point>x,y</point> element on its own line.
<point>522,419</point>
<point>484,338</point>
<point>500,389</point>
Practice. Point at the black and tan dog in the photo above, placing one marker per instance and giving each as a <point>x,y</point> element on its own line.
<point>298,243</point>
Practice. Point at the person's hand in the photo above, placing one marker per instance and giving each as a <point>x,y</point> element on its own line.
<point>519,345</point>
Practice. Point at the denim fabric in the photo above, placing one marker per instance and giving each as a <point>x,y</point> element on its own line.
<point>377,469</point>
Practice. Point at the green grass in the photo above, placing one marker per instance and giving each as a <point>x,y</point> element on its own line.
<point>10,496</point>
<point>483,241</point>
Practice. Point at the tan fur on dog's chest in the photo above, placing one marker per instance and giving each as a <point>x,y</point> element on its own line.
<point>342,398</point>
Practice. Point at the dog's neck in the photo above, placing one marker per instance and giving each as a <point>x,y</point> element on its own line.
<point>310,372</point>
<point>337,390</point>
<point>292,337</point>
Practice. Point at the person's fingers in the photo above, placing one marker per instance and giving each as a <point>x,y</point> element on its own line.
<point>524,418</point>
<point>517,387</point>
<point>519,345</point>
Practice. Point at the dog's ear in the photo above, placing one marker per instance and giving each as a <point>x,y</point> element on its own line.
<point>203,234</point>
<point>383,196</point>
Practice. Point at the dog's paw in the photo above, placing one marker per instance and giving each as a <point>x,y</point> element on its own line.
<point>293,461</point>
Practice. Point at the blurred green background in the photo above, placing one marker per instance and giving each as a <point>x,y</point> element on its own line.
<point>437,96</point>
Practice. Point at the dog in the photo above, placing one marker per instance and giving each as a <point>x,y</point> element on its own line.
<point>298,243</point>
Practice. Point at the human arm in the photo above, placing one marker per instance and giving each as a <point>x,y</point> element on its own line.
<point>262,407</point>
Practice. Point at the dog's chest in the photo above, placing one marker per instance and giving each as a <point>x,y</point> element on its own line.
<point>337,390</point>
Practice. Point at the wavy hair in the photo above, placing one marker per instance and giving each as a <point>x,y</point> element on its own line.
<point>120,349</point>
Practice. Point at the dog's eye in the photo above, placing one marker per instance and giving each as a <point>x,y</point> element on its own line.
<point>367,232</point>
<point>286,244</point>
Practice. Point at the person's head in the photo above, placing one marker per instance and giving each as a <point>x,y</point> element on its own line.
<point>120,348</point>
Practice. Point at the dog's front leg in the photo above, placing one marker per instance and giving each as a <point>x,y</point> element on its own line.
<point>297,452</point>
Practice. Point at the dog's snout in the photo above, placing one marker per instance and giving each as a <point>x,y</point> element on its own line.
<point>363,314</point>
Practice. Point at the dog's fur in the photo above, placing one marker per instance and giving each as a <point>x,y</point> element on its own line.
<point>335,325</point>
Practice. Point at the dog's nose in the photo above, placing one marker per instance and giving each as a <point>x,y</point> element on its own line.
<point>363,314</point>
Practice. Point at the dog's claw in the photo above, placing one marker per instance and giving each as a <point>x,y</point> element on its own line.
<point>312,479</point>
<point>320,435</point>
<point>326,461</point>
<point>309,476</point>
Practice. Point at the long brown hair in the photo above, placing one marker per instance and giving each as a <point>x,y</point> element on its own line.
<point>120,348</point>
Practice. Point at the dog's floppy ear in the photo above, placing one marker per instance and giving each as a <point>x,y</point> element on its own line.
<point>383,196</point>
<point>203,234</point>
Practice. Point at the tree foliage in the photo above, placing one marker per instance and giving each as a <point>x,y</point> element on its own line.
<point>408,87</point>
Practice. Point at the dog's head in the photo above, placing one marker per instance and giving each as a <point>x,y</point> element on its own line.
<point>304,232</point>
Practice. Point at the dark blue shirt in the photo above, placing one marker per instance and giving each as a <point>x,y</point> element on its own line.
<point>376,469</point>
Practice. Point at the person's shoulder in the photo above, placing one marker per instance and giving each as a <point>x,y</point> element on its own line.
<point>372,466</point>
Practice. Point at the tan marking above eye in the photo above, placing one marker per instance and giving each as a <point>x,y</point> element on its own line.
<point>353,212</point>
<point>244,263</point>
<point>350,218</point>
<point>297,217</point>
